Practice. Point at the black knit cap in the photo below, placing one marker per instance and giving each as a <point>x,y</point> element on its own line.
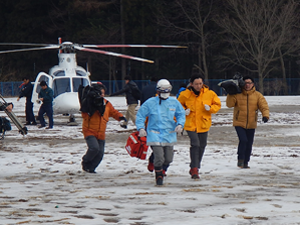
<point>248,77</point>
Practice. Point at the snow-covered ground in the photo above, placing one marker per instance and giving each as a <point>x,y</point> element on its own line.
<point>41,181</point>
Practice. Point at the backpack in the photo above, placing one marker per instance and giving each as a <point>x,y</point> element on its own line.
<point>4,126</point>
<point>136,146</point>
<point>135,91</point>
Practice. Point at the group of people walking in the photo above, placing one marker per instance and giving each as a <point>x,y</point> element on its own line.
<point>161,117</point>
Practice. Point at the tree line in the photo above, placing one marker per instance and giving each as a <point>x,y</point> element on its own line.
<point>257,38</point>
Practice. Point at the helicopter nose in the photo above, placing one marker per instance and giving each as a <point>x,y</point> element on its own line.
<point>66,103</point>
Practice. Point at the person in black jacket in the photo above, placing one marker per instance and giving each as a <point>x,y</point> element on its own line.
<point>26,91</point>
<point>132,102</point>
<point>149,90</point>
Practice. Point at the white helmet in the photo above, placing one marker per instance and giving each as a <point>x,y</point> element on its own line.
<point>164,86</point>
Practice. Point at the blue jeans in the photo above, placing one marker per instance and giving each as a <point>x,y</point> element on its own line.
<point>46,108</point>
<point>246,138</point>
<point>94,153</point>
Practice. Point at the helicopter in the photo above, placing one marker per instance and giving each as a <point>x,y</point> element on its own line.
<point>66,77</point>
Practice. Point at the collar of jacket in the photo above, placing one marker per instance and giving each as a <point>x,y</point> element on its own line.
<point>205,88</point>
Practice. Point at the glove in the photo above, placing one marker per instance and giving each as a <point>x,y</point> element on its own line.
<point>207,107</point>
<point>142,133</point>
<point>265,119</point>
<point>122,118</point>
<point>187,112</point>
<point>178,129</point>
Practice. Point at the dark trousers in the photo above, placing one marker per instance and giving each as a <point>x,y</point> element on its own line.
<point>29,112</point>
<point>198,143</point>
<point>246,138</point>
<point>94,153</point>
<point>46,108</point>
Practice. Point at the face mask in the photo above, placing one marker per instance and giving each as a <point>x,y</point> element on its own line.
<point>164,95</point>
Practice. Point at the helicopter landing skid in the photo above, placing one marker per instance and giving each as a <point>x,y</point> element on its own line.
<point>72,121</point>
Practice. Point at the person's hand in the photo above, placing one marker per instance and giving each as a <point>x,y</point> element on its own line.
<point>9,108</point>
<point>123,118</point>
<point>142,133</point>
<point>265,119</point>
<point>18,99</point>
<point>207,107</point>
<point>187,112</point>
<point>178,129</point>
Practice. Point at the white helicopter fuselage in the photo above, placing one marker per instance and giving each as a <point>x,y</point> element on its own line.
<point>64,79</point>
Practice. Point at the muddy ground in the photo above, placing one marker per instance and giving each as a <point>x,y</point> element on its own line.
<point>41,181</point>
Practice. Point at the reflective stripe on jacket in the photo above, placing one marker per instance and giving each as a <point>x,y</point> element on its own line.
<point>246,106</point>
<point>199,120</point>
<point>96,124</point>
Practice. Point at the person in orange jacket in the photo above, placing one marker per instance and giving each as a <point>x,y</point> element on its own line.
<point>95,111</point>
<point>199,103</point>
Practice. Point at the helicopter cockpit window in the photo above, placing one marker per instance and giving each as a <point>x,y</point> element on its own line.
<point>80,73</point>
<point>77,81</point>
<point>59,73</point>
<point>61,86</point>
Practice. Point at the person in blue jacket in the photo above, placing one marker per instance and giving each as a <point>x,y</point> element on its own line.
<point>26,91</point>
<point>46,96</point>
<point>166,117</point>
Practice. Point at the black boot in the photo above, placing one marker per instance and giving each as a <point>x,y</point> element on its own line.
<point>159,177</point>
<point>240,163</point>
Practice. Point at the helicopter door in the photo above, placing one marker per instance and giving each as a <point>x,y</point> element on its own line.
<point>36,87</point>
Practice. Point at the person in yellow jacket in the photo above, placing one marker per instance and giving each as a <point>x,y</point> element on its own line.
<point>246,106</point>
<point>199,103</point>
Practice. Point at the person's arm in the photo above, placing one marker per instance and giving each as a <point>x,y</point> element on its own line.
<point>216,104</point>
<point>230,101</point>
<point>8,106</point>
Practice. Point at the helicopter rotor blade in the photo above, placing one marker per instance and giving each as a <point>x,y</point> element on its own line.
<point>25,44</point>
<point>113,54</point>
<point>31,49</point>
<point>133,46</point>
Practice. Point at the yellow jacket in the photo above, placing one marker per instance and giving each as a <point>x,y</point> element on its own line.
<point>246,105</point>
<point>199,120</point>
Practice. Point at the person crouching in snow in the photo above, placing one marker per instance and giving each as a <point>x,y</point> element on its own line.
<point>162,128</point>
<point>95,111</point>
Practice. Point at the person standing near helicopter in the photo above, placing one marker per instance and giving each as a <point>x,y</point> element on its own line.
<point>46,96</point>
<point>26,91</point>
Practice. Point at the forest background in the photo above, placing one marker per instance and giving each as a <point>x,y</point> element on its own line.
<point>257,38</point>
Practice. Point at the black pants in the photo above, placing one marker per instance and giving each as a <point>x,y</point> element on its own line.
<point>198,144</point>
<point>29,112</point>
<point>246,138</point>
<point>94,154</point>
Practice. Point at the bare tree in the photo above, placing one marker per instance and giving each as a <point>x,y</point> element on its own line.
<point>259,33</point>
<point>191,18</point>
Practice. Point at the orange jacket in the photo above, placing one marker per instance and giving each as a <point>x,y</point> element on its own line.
<point>246,106</point>
<point>95,125</point>
<point>199,120</point>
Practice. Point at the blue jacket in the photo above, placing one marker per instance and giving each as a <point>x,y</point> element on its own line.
<point>161,120</point>
<point>47,95</point>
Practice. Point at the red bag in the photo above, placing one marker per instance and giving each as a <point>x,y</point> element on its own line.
<point>136,146</point>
